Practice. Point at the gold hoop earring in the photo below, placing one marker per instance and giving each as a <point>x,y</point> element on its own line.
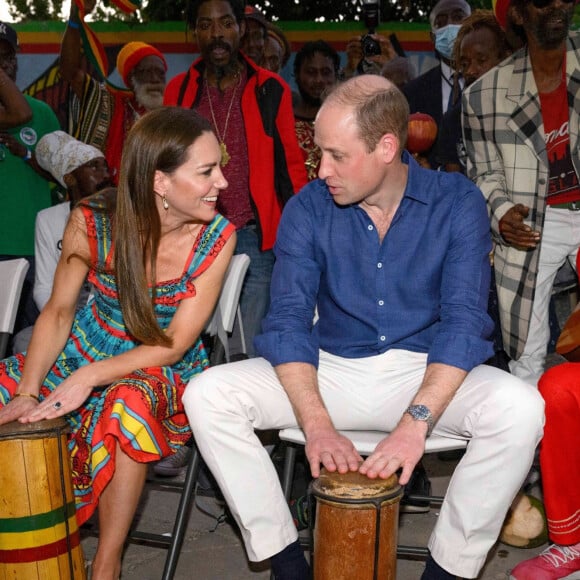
<point>164,202</point>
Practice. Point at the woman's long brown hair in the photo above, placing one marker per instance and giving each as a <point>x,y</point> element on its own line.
<point>157,142</point>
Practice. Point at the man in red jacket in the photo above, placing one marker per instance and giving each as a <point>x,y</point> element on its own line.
<point>251,113</point>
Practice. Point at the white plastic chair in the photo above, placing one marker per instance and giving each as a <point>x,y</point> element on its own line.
<point>365,443</point>
<point>228,307</point>
<point>12,274</point>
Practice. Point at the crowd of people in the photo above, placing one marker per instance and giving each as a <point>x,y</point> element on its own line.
<point>390,291</point>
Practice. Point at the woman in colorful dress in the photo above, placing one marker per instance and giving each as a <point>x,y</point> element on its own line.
<point>155,251</point>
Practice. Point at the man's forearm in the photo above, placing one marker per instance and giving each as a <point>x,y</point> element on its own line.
<point>300,381</point>
<point>70,61</point>
<point>439,385</point>
<point>14,108</point>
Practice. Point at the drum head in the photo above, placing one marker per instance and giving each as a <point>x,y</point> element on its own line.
<point>355,486</point>
<point>37,430</point>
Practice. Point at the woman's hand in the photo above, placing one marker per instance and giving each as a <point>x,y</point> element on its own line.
<point>67,397</point>
<point>17,408</point>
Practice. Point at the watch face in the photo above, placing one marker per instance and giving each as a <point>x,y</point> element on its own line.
<point>420,412</point>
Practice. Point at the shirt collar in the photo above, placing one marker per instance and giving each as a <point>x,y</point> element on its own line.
<point>416,183</point>
<point>447,71</point>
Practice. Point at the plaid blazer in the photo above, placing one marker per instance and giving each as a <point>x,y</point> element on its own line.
<point>504,136</point>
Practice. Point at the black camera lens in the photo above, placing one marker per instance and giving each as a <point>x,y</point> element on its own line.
<point>370,46</point>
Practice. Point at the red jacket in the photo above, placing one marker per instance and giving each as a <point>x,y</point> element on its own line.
<point>276,163</point>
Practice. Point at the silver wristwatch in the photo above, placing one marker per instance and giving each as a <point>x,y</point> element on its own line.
<point>421,413</point>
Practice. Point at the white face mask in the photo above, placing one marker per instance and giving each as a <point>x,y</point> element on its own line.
<point>445,39</point>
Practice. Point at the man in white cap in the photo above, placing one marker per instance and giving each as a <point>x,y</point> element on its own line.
<point>82,170</point>
<point>434,91</point>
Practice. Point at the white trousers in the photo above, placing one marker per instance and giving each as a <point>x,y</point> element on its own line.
<point>560,240</point>
<point>500,414</point>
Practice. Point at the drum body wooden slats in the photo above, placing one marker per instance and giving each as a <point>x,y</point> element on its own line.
<point>356,525</point>
<point>39,535</point>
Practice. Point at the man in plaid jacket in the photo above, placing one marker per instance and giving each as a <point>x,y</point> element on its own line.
<point>521,130</point>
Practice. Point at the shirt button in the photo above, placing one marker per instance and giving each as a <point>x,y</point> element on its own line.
<point>541,181</point>
<point>379,265</point>
<point>381,302</point>
<point>383,338</point>
<point>370,228</point>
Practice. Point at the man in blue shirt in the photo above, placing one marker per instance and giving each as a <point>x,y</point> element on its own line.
<point>394,258</point>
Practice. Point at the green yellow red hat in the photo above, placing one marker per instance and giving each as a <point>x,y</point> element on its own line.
<point>131,54</point>
<point>500,8</point>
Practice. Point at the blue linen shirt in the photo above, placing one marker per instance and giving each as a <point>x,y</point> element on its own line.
<point>424,288</point>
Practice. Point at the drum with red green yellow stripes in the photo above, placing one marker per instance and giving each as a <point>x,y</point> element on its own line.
<point>39,535</point>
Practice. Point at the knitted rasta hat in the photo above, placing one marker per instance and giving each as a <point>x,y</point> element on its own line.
<point>500,8</point>
<point>130,56</point>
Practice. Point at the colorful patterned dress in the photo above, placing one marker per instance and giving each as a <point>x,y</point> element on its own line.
<point>143,411</point>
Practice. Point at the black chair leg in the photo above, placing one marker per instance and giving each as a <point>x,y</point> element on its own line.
<point>288,474</point>
<point>187,496</point>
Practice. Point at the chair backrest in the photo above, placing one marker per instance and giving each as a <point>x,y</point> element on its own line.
<point>227,308</point>
<point>12,274</point>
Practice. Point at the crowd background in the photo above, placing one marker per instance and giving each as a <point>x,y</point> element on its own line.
<point>40,45</point>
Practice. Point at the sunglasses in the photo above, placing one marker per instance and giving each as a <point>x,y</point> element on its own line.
<point>539,4</point>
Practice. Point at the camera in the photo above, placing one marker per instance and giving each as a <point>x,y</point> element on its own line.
<point>370,46</point>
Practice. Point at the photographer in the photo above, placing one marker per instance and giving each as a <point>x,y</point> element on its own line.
<point>372,61</point>
<point>368,54</point>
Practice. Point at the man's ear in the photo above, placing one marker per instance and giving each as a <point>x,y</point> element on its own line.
<point>69,180</point>
<point>130,82</point>
<point>389,147</point>
<point>243,27</point>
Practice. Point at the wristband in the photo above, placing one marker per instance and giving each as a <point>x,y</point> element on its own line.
<point>27,156</point>
<point>73,24</point>
<point>35,397</point>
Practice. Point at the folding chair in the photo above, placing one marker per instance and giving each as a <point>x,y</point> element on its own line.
<point>220,324</point>
<point>228,309</point>
<point>12,274</point>
<point>365,443</point>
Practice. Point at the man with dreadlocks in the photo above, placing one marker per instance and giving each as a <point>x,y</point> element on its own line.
<point>101,115</point>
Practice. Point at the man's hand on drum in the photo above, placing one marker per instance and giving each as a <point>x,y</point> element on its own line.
<point>67,397</point>
<point>331,449</point>
<point>403,448</point>
<point>16,408</point>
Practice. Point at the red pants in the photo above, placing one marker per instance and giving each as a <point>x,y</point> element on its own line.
<point>560,452</point>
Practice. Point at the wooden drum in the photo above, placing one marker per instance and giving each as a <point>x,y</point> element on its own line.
<point>356,524</point>
<point>39,535</point>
